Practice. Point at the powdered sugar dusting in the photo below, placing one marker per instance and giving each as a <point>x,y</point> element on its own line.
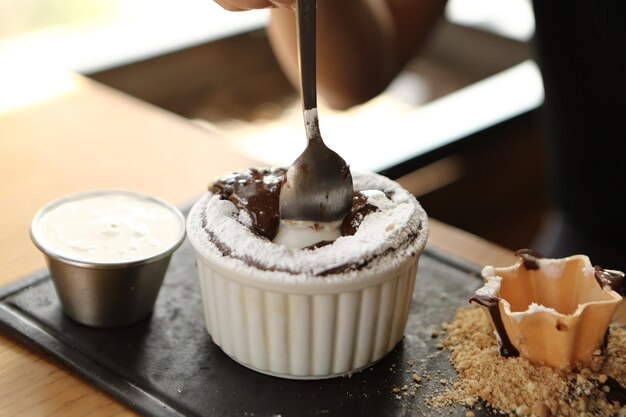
<point>552,268</point>
<point>532,309</point>
<point>537,308</point>
<point>245,219</point>
<point>397,231</point>
<point>491,287</point>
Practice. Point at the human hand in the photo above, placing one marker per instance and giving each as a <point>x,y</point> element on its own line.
<point>241,5</point>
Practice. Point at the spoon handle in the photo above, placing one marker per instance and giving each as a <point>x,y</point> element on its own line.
<point>306,10</point>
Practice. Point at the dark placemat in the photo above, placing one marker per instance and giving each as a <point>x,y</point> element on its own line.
<point>167,364</point>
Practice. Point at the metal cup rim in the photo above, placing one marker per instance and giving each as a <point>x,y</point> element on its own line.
<point>105,265</point>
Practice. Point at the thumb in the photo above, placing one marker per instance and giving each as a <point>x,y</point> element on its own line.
<point>289,4</point>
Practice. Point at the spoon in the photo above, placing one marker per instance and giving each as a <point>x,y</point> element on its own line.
<point>318,184</point>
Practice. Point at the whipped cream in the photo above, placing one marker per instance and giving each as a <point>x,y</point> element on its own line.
<point>108,227</point>
<point>299,234</point>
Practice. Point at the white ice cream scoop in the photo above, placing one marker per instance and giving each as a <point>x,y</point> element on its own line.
<point>298,234</point>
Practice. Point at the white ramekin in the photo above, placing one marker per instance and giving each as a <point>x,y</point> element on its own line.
<point>311,328</point>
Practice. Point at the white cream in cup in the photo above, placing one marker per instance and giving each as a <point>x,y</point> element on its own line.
<point>107,252</point>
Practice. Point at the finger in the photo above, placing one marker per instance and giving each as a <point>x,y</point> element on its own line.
<point>255,4</point>
<point>239,5</point>
<point>226,5</point>
<point>284,3</point>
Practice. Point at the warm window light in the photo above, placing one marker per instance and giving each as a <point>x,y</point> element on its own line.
<point>23,17</point>
<point>23,84</point>
<point>511,18</point>
<point>121,31</point>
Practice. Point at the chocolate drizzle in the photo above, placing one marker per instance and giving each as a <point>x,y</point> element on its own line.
<point>530,258</point>
<point>605,340</point>
<point>616,391</point>
<point>612,279</point>
<point>492,303</point>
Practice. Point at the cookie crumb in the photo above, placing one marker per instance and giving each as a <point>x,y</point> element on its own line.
<point>514,386</point>
<point>541,410</point>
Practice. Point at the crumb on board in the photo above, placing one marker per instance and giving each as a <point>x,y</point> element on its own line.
<point>516,387</point>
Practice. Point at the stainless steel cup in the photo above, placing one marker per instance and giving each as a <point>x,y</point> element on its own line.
<point>107,294</point>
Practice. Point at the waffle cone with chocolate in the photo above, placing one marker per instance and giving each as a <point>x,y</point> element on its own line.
<point>551,311</point>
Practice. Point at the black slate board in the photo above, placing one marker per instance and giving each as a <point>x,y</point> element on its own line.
<point>167,365</point>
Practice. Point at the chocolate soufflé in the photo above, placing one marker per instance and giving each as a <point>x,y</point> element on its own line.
<point>320,311</point>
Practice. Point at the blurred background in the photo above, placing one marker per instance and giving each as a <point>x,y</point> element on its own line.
<point>460,127</point>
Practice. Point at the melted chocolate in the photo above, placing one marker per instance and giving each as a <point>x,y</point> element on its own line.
<point>360,209</point>
<point>605,340</point>
<point>319,244</point>
<point>257,191</point>
<point>616,391</point>
<point>530,258</point>
<point>612,279</point>
<point>506,347</point>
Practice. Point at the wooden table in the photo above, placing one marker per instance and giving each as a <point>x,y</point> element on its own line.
<point>62,133</point>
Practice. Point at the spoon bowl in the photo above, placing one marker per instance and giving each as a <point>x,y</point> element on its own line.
<point>317,186</point>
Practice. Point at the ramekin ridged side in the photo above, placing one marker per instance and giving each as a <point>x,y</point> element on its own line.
<point>306,336</point>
